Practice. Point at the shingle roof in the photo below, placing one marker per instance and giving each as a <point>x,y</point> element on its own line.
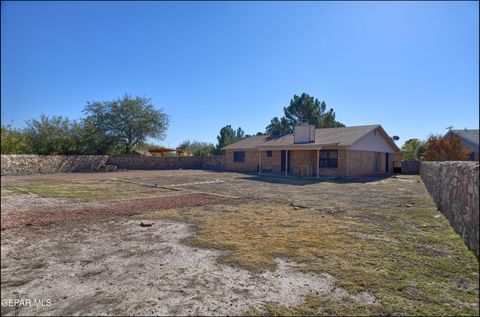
<point>248,143</point>
<point>345,136</point>
<point>471,136</point>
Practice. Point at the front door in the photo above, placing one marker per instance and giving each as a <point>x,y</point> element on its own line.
<point>386,162</point>
<point>283,157</point>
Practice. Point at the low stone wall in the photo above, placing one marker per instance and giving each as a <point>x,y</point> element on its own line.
<point>410,167</point>
<point>41,164</point>
<point>12,165</point>
<point>154,162</point>
<point>454,189</point>
<point>166,162</point>
<point>214,162</point>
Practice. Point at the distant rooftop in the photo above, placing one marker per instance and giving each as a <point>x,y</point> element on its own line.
<point>468,135</point>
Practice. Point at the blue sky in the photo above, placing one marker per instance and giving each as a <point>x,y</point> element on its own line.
<point>413,67</point>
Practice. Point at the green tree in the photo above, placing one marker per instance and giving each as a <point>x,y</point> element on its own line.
<point>413,148</point>
<point>51,135</point>
<point>303,109</point>
<point>227,136</point>
<point>197,148</point>
<point>14,141</point>
<point>420,150</point>
<point>124,123</point>
<point>279,126</point>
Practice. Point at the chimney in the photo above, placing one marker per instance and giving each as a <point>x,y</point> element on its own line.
<point>304,133</point>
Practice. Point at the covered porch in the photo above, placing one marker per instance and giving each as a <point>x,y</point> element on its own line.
<point>302,161</point>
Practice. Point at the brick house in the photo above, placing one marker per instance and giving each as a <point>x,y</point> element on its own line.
<point>310,152</point>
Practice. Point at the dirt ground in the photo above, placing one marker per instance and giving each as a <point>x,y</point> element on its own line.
<point>229,244</point>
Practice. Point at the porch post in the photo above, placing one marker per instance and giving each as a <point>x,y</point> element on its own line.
<point>318,163</point>
<point>259,161</point>
<point>286,162</point>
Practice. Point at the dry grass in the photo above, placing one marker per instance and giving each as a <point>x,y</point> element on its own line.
<point>88,191</point>
<point>413,263</point>
<point>374,235</point>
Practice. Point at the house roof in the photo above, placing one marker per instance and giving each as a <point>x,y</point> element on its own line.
<point>469,135</point>
<point>248,143</point>
<point>344,136</point>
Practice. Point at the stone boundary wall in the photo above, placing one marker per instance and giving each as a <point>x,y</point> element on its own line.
<point>454,189</point>
<point>410,167</point>
<point>12,165</point>
<point>167,162</point>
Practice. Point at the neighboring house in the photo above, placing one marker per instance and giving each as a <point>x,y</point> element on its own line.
<point>163,151</point>
<point>310,152</point>
<point>469,139</point>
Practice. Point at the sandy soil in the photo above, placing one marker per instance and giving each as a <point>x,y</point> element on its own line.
<point>94,258</point>
<point>118,267</point>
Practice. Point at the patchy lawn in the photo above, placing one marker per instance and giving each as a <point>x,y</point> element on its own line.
<point>412,262</point>
<point>367,246</point>
<point>89,190</point>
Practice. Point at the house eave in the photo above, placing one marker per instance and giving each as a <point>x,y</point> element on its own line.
<point>303,146</point>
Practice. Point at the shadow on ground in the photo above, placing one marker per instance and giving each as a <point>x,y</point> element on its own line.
<point>308,181</point>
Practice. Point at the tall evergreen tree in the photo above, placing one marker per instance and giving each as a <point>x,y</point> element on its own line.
<point>228,136</point>
<point>303,109</point>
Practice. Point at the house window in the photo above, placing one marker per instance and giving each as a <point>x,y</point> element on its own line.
<point>269,153</point>
<point>376,161</point>
<point>328,159</point>
<point>239,156</point>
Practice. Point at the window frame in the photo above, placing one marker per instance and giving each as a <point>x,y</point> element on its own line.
<point>269,154</point>
<point>327,160</point>
<point>239,156</point>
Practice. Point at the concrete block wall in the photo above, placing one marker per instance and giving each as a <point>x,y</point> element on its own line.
<point>454,188</point>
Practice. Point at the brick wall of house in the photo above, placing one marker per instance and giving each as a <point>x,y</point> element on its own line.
<point>250,164</point>
<point>301,158</point>
<point>350,163</point>
<point>272,164</point>
<point>361,163</point>
<point>340,171</point>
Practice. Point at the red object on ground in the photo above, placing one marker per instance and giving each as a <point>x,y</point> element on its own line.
<point>146,223</point>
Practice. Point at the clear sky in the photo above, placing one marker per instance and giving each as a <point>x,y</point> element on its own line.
<point>411,67</point>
